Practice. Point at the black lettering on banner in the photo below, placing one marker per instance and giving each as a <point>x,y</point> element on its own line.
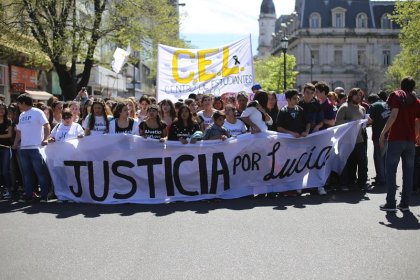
<point>128,164</point>
<point>219,157</point>
<point>202,167</point>
<point>178,184</point>
<point>149,162</point>
<point>76,165</point>
<point>248,162</point>
<point>292,166</point>
<point>92,181</point>
<point>168,177</point>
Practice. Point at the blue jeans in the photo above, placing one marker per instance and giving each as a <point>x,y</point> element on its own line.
<point>5,155</point>
<point>32,162</point>
<point>405,150</point>
<point>379,161</point>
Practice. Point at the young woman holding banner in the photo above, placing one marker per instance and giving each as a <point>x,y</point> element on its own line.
<point>122,123</point>
<point>153,127</point>
<point>183,127</point>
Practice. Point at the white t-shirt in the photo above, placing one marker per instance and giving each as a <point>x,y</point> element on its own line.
<point>207,121</point>
<point>99,126</point>
<point>236,128</point>
<point>63,132</point>
<point>256,117</point>
<point>134,130</point>
<point>31,126</point>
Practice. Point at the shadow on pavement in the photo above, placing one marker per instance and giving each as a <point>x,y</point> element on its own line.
<point>407,222</point>
<point>67,210</point>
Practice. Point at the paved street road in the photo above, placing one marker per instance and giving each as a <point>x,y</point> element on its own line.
<point>339,236</point>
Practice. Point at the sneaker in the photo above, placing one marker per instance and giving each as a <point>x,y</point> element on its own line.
<point>321,191</point>
<point>403,207</point>
<point>388,208</point>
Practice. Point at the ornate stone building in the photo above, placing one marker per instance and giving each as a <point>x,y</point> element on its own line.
<point>267,21</point>
<point>347,43</point>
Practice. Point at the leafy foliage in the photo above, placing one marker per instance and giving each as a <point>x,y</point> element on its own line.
<point>407,15</point>
<point>70,31</point>
<point>269,72</point>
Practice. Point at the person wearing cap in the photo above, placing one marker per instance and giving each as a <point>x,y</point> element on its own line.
<point>256,88</point>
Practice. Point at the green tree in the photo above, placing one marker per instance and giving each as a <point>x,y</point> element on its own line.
<point>269,72</point>
<point>68,31</point>
<point>407,15</point>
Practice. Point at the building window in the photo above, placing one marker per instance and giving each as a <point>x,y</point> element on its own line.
<point>361,20</point>
<point>338,57</point>
<point>387,57</point>
<point>315,57</point>
<point>315,20</point>
<point>338,17</point>
<point>386,22</point>
<point>361,58</point>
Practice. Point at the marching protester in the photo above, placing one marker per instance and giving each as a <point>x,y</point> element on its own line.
<point>144,104</point>
<point>67,129</point>
<point>206,114</point>
<point>329,111</point>
<point>255,115</point>
<point>57,107</point>
<point>378,115</point>
<point>123,122</point>
<point>352,111</point>
<point>272,109</point>
<point>49,114</point>
<point>312,108</point>
<point>242,102</point>
<point>233,125</point>
<point>86,109</point>
<point>192,105</point>
<point>6,131</point>
<point>401,130</point>
<point>183,127</point>
<point>291,118</point>
<point>218,103</point>
<point>153,127</point>
<point>96,123</point>
<point>32,132</point>
<point>167,111</point>
<point>74,107</point>
<point>216,130</point>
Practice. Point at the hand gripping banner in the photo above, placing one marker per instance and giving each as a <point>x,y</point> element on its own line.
<point>217,71</point>
<point>130,169</point>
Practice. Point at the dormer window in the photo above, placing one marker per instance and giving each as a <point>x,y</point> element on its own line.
<point>361,20</point>
<point>386,22</point>
<point>315,20</point>
<point>338,17</point>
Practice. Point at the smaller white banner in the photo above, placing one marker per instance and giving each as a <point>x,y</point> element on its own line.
<point>216,71</point>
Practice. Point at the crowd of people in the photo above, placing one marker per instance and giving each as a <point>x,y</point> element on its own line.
<point>25,126</point>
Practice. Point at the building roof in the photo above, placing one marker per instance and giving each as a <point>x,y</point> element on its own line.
<point>373,9</point>
<point>267,7</point>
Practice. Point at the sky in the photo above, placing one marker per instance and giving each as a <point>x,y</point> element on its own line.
<point>214,23</point>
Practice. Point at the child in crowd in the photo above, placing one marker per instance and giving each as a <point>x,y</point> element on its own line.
<point>67,129</point>
<point>291,118</point>
<point>233,125</point>
<point>216,130</point>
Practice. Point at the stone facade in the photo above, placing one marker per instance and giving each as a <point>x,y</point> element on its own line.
<point>344,43</point>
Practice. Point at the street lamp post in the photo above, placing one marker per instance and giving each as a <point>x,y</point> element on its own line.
<point>284,43</point>
<point>312,65</point>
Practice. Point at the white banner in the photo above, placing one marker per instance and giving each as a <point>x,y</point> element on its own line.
<point>219,70</point>
<point>120,58</point>
<point>130,169</point>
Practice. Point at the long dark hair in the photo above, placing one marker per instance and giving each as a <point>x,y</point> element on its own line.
<point>92,115</point>
<point>180,122</point>
<point>172,111</point>
<point>118,109</point>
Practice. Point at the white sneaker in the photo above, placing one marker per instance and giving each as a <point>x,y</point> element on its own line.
<point>321,191</point>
